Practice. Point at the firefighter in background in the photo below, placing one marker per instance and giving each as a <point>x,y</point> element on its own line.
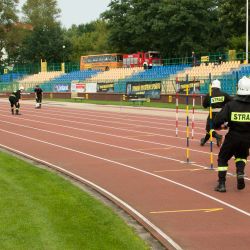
<point>150,62</point>
<point>236,116</point>
<point>218,100</point>
<point>145,65</point>
<point>38,95</point>
<point>14,101</point>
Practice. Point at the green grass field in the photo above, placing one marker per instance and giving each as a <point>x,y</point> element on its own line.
<point>41,210</point>
<point>125,103</point>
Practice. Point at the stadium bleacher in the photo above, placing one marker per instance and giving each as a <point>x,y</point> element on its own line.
<point>157,73</point>
<point>66,79</point>
<point>227,72</point>
<point>8,78</point>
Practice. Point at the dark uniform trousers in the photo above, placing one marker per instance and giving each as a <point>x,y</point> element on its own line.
<point>233,146</point>
<point>214,133</point>
<point>39,99</point>
<point>237,141</point>
<point>14,104</point>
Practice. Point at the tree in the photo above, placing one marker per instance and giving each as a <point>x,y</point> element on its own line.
<point>90,38</point>
<point>14,42</point>
<point>174,27</point>
<point>41,13</point>
<point>7,18</point>
<point>45,43</point>
<point>233,18</point>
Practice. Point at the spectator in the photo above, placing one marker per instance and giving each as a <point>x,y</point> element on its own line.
<point>150,62</point>
<point>145,65</point>
<point>219,60</point>
<point>194,60</point>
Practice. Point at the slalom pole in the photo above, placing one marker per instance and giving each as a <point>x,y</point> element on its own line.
<point>177,107</point>
<point>187,112</point>
<point>193,109</point>
<point>211,123</point>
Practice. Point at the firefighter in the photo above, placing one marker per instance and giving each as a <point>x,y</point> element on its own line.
<point>236,116</point>
<point>145,65</point>
<point>14,100</point>
<point>38,95</point>
<point>218,100</point>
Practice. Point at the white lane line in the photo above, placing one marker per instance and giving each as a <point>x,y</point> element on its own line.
<point>88,114</point>
<point>99,113</point>
<point>121,123</point>
<point>109,127</point>
<point>134,168</point>
<point>103,191</point>
<point>118,136</point>
<point>93,141</point>
<point>125,116</point>
<point>123,137</point>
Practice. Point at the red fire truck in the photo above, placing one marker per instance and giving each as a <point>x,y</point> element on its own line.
<point>138,59</point>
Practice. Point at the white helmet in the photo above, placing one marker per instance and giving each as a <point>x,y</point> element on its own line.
<point>216,84</point>
<point>21,88</point>
<point>244,86</point>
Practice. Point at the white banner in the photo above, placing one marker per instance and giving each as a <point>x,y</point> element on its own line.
<point>91,87</point>
<point>78,87</point>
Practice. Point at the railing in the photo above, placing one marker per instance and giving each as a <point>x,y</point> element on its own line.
<point>74,66</point>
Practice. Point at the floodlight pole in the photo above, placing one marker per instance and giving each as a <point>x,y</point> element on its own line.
<point>247,33</point>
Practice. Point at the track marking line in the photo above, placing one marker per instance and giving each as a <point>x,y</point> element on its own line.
<point>132,168</point>
<point>101,190</point>
<point>120,123</point>
<point>139,136</point>
<point>178,170</point>
<point>109,127</point>
<point>126,119</point>
<point>149,149</point>
<point>111,145</point>
<point>205,210</point>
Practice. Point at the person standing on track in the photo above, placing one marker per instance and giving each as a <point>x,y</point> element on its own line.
<point>236,116</point>
<point>38,95</point>
<point>218,100</point>
<point>14,101</point>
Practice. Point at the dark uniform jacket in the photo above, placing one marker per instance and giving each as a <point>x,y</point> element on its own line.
<point>38,91</point>
<point>237,114</point>
<point>15,96</point>
<point>218,100</point>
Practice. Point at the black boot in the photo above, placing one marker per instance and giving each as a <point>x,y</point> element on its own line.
<point>218,138</point>
<point>240,181</point>
<point>203,142</point>
<point>240,167</point>
<point>221,187</point>
<point>205,139</point>
<point>12,111</point>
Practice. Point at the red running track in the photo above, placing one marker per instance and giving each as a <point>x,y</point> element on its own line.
<point>136,161</point>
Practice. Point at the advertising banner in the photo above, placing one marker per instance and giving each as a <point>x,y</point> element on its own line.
<point>105,87</point>
<point>78,87</point>
<point>150,90</point>
<point>91,87</point>
<point>193,87</point>
<point>61,88</point>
